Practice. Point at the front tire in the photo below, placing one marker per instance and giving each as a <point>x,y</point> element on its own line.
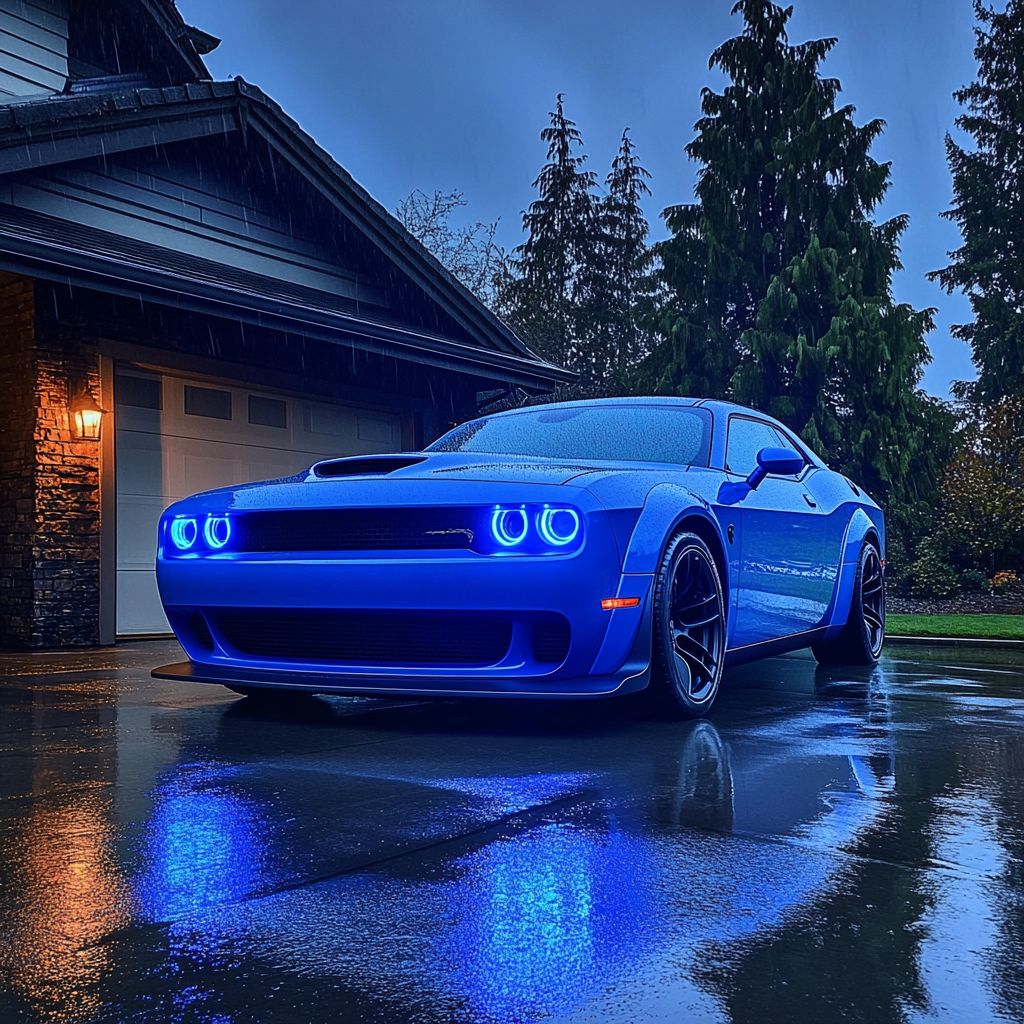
<point>860,642</point>
<point>689,629</point>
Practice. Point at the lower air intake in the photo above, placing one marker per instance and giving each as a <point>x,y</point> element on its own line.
<point>551,640</point>
<point>369,638</point>
<point>201,631</point>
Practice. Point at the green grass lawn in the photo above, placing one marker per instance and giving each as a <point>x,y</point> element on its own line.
<point>989,627</point>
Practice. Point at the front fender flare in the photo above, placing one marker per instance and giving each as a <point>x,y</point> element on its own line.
<point>667,505</point>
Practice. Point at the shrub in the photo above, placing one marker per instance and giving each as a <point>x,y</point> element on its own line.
<point>1004,582</point>
<point>931,575</point>
<point>972,579</point>
<point>983,485</point>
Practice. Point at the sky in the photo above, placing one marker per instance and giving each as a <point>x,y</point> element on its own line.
<point>453,94</point>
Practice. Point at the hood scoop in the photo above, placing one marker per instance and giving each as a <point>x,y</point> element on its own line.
<point>366,465</point>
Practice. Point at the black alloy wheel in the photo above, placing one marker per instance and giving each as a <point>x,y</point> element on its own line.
<point>872,600</point>
<point>860,642</point>
<point>689,629</point>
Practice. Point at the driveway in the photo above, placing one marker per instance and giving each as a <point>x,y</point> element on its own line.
<point>826,846</point>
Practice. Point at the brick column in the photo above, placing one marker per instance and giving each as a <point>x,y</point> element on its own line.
<point>17,456</point>
<point>49,496</point>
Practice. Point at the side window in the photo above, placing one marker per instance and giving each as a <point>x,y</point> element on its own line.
<point>746,438</point>
<point>789,441</point>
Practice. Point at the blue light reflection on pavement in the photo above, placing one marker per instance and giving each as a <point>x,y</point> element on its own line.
<point>546,917</point>
<point>538,921</point>
<point>205,844</point>
<point>509,793</point>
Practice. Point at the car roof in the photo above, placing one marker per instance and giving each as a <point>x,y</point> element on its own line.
<point>716,406</point>
<point>591,402</point>
<point>712,404</point>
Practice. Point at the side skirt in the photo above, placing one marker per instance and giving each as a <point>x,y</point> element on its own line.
<point>770,648</point>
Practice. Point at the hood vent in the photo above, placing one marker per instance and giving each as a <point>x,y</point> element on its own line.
<point>367,465</point>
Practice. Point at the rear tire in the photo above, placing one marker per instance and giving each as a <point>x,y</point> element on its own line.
<point>689,629</point>
<point>860,642</point>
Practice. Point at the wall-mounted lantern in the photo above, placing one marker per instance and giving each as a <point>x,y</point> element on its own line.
<point>86,417</point>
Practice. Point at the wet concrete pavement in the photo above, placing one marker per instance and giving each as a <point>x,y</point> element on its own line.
<point>826,846</point>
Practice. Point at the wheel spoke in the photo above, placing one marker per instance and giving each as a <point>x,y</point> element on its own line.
<point>680,608</point>
<point>683,584</point>
<point>700,623</point>
<point>691,651</point>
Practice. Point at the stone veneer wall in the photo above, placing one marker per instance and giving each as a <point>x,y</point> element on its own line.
<point>17,481</point>
<point>49,484</point>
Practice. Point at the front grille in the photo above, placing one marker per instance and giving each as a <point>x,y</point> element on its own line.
<point>551,640</point>
<point>377,529</point>
<point>369,637</point>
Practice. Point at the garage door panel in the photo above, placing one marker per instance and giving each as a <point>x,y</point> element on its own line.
<point>140,463</point>
<point>271,469</point>
<point>378,430</point>
<point>330,421</point>
<point>130,417</point>
<point>138,604</point>
<point>208,472</point>
<point>138,517</point>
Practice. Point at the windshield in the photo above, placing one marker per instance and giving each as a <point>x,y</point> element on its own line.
<point>618,433</point>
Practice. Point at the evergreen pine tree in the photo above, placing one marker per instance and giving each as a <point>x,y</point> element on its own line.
<point>542,295</point>
<point>779,281</point>
<point>988,206</point>
<point>615,290</point>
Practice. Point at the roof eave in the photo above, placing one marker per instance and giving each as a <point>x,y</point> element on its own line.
<point>34,137</point>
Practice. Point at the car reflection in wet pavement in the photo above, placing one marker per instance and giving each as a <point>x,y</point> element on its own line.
<point>827,846</point>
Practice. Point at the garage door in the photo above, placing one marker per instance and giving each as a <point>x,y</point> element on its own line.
<point>176,436</point>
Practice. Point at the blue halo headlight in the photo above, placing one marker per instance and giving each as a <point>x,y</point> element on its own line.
<point>508,526</point>
<point>558,526</point>
<point>184,533</point>
<point>216,531</point>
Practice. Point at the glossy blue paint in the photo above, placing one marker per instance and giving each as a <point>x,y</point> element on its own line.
<point>666,506</point>
<point>534,541</point>
<point>782,549</point>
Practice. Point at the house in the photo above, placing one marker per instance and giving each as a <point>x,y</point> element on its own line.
<point>186,273</point>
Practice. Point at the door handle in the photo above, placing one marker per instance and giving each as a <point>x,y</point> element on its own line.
<point>810,501</point>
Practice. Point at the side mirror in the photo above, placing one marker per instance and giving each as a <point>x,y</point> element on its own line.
<point>779,461</point>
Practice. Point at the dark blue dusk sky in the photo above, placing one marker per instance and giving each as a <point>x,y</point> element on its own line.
<point>442,94</point>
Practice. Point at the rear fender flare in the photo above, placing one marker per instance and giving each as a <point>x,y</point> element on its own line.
<point>859,527</point>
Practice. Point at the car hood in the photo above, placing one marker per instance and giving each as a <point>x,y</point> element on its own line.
<point>476,467</point>
<point>415,478</point>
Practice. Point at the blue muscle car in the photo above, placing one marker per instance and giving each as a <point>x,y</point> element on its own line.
<point>582,549</point>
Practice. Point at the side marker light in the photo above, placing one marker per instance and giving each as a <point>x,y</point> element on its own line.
<point>619,602</point>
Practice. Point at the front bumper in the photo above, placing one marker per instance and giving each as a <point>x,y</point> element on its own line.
<point>632,675</point>
<point>608,651</point>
